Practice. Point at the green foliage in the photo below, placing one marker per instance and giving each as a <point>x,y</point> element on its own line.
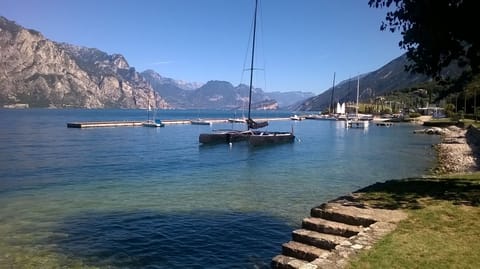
<point>432,41</point>
<point>440,41</point>
<point>414,115</point>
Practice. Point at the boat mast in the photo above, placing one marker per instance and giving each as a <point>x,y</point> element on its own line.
<point>148,109</point>
<point>358,89</point>
<point>331,98</point>
<point>251,64</point>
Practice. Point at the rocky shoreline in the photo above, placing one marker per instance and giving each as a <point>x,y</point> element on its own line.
<point>338,230</point>
<point>458,150</point>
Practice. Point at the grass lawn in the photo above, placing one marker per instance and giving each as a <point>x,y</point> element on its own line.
<point>443,227</point>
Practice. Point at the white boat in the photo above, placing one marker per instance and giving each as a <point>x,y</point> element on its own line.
<point>320,117</point>
<point>200,122</point>
<point>152,122</point>
<point>296,117</point>
<point>356,121</point>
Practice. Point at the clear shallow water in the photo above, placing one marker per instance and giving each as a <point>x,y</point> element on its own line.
<point>133,197</point>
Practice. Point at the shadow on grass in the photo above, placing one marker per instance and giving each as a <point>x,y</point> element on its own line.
<point>147,239</point>
<point>413,193</point>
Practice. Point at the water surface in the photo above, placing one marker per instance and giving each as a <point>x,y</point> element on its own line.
<point>134,197</point>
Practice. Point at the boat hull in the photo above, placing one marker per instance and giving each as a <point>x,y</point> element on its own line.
<point>269,138</point>
<point>236,120</point>
<point>223,137</point>
<point>200,122</point>
<point>152,124</point>
<point>357,124</point>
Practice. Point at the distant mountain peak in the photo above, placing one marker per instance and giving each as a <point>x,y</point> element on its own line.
<point>44,73</point>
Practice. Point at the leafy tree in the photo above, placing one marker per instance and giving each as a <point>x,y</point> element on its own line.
<point>436,33</point>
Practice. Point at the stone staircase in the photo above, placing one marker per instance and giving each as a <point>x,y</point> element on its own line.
<point>333,233</point>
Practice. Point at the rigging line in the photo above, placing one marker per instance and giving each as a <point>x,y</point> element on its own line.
<point>248,69</point>
<point>251,63</point>
<point>247,53</point>
<point>263,46</point>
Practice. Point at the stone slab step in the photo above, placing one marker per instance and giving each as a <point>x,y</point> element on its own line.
<point>286,262</point>
<point>345,214</point>
<point>330,227</point>
<point>303,251</point>
<point>316,239</point>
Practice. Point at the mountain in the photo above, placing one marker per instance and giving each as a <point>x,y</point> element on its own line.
<point>390,77</point>
<point>175,93</point>
<point>42,73</point>
<point>288,99</point>
<point>38,72</point>
<point>214,94</point>
<point>223,95</point>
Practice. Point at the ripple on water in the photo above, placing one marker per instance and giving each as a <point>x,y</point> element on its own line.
<point>171,240</point>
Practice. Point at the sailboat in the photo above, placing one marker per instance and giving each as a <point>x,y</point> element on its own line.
<point>152,122</point>
<point>356,122</point>
<point>252,135</point>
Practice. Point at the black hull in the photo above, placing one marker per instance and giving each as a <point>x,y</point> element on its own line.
<point>254,138</point>
<point>223,137</point>
<point>271,138</point>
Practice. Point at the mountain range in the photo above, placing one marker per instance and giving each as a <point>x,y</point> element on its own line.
<point>39,72</point>
<point>384,80</point>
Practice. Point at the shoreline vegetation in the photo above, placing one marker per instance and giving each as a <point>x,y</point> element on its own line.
<point>443,224</point>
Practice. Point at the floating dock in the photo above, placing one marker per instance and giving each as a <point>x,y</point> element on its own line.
<point>97,124</point>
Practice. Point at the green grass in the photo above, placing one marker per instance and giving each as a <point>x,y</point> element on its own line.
<point>443,227</point>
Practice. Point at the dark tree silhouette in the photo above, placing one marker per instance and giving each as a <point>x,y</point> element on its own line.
<point>436,33</point>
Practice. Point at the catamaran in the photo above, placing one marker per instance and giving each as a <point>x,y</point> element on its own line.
<point>253,136</point>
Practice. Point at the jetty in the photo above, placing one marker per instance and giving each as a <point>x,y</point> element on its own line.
<point>97,124</point>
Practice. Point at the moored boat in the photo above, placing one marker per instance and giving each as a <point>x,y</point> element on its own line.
<point>223,136</point>
<point>254,137</point>
<point>296,117</point>
<point>357,121</point>
<point>200,122</point>
<point>268,138</point>
<point>152,123</point>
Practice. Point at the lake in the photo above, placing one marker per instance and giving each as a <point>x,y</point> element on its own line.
<point>135,197</point>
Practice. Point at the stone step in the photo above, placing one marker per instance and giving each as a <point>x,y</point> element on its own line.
<point>286,262</point>
<point>303,252</point>
<point>330,227</point>
<point>345,214</point>
<point>316,239</point>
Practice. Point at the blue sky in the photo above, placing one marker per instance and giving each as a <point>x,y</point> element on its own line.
<point>301,42</point>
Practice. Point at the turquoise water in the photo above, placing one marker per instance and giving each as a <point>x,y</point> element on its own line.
<point>134,197</point>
